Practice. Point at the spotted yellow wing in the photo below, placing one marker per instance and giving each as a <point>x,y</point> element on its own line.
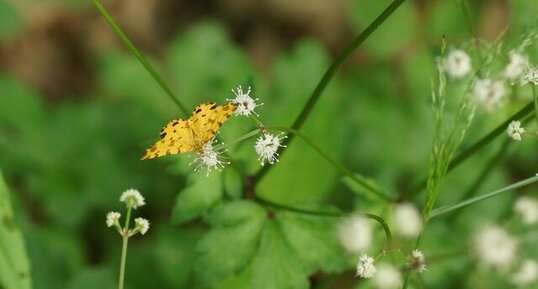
<point>206,120</point>
<point>176,138</point>
<point>179,136</point>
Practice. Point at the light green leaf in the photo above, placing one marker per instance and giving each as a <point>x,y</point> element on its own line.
<point>277,266</point>
<point>14,264</point>
<point>229,246</point>
<point>314,240</point>
<point>198,197</point>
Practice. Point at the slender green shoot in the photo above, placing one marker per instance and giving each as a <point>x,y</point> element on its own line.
<point>125,237</point>
<point>329,74</point>
<point>446,209</point>
<point>139,56</point>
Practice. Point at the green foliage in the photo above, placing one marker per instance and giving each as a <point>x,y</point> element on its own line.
<point>68,161</point>
<point>14,265</point>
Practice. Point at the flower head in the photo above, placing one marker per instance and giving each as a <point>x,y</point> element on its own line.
<point>488,93</point>
<point>112,219</point>
<point>495,247</point>
<point>457,63</point>
<point>527,274</point>
<point>355,234</point>
<point>527,209</point>
<point>208,157</point>
<point>407,220</point>
<point>515,130</point>
<point>141,225</point>
<point>388,277</point>
<point>267,146</point>
<point>418,262</point>
<point>529,76</point>
<point>132,198</point>
<point>246,104</point>
<point>366,267</point>
<point>516,66</point>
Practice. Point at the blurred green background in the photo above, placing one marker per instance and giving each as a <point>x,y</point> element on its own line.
<point>77,111</point>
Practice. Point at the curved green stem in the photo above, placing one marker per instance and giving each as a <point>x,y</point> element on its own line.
<point>314,97</point>
<point>340,167</point>
<point>139,56</point>
<point>374,217</point>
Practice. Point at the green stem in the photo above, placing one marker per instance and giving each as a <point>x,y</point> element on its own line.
<point>478,145</point>
<point>123,259</point>
<point>535,97</point>
<point>446,209</point>
<point>125,237</point>
<point>139,56</point>
<point>376,218</point>
<point>329,74</point>
<point>487,169</point>
<point>336,164</point>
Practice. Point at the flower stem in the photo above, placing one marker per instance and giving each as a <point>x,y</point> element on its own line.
<point>535,97</point>
<point>125,237</point>
<point>329,74</point>
<point>353,176</point>
<point>139,56</point>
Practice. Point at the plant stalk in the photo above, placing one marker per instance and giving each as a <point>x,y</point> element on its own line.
<point>329,74</point>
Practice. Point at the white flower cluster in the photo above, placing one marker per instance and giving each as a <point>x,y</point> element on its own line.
<point>408,220</point>
<point>356,236</point>
<point>514,130</point>
<point>495,247</point>
<point>132,199</point>
<point>490,91</point>
<point>527,209</point>
<point>267,147</point>
<point>209,157</point>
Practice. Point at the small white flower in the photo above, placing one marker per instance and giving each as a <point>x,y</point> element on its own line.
<point>366,267</point>
<point>529,76</point>
<point>418,262</point>
<point>246,104</point>
<point>132,198</point>
<point>516,66</point>
<point>208,157</point>
<point>407,220</point>
<point>355,234</point>
<point>488,93</point>
<point>141,225</point>
<point>515,130</point>
<point>527,274</point>
<point>457,63</point>
<point>267,146</point>
<point>495,247</point>
<point>112,219</point>
<point>527,209</point>
<point>388,277</point>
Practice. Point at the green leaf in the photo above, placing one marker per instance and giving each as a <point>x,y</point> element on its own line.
<point>14,264</point>
<point>314,240</point>
<point>230,245</point>
<point>198,197</point>
<point>277,266</point>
